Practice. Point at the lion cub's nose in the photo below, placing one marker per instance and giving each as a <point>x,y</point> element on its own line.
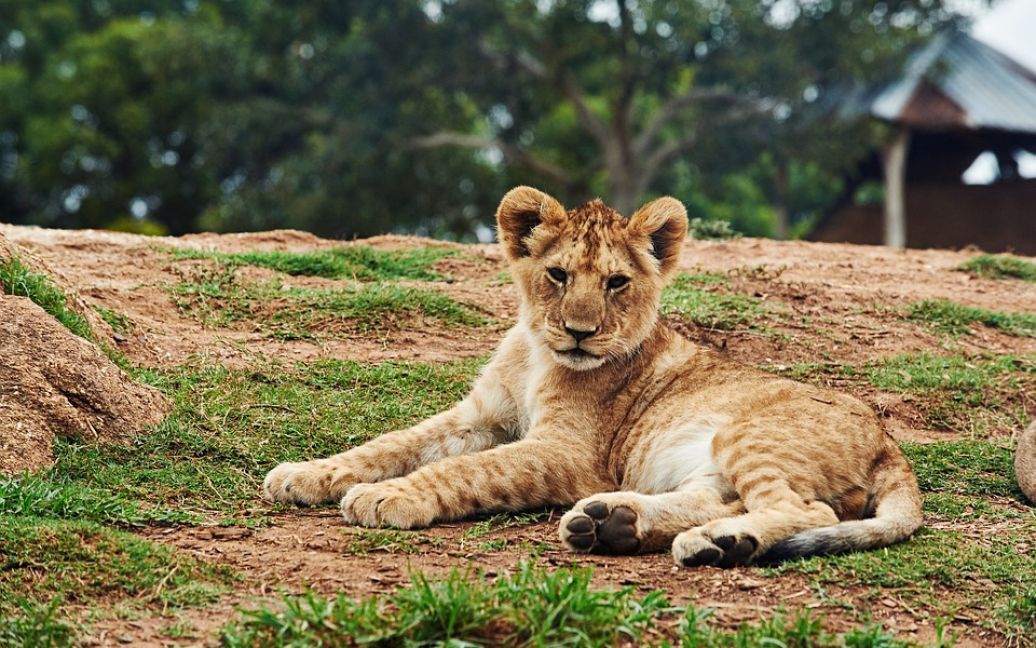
<point>578,334</point>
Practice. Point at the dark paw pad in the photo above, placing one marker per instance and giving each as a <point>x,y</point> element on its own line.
<point>604,531</point>
<point>706,556</point>
<point>736,551</point>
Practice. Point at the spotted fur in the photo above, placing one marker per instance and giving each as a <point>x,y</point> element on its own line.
<point>591,398</point>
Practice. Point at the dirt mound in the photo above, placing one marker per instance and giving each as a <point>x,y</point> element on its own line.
<point>54,383</point>
<point>73,301</point>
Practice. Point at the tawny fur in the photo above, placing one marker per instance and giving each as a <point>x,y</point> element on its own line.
<point>660,443</point>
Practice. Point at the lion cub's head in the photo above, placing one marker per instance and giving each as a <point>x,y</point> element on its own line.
<point>590,278</point>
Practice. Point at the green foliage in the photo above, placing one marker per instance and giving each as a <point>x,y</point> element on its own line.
<point>693,297</point>
<point>1000,266</point>
<point>359,262</point>
<point>82,562</point>
<point>18,280</point>
<point>712,230</point>
<point>332,117</point>
<point>956,319</point>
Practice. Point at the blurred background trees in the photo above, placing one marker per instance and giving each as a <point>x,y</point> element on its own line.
<point>353,117</point>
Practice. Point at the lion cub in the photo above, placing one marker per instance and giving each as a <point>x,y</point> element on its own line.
<point>591,398</point>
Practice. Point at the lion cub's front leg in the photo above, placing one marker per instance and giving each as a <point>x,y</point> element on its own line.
<point>465,428</point>
<point>520,475</point>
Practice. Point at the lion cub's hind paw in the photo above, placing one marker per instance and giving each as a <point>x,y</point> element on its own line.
<point>600,529</point>
<point>694,549</point>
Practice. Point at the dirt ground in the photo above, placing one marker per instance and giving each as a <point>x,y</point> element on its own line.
<point>848,293</point>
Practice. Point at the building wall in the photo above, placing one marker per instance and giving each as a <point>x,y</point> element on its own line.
<point>997,218</point>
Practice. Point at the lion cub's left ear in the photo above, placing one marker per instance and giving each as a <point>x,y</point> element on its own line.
<point>664,222</point>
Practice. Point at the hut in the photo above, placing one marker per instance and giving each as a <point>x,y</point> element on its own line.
<point>957,99</point>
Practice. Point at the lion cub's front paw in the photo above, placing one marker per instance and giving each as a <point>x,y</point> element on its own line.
<point>386,504</point>
<point>307,483</point>
<point>602,524</point>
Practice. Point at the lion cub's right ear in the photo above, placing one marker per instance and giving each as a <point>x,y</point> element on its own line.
<point>664,223</point>
<point>520,211</point>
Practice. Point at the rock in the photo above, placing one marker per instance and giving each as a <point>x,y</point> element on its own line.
<point>1025,462</point>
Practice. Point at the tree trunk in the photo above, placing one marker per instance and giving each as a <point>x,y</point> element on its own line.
<point>894,164</point>
<point>782,227</point>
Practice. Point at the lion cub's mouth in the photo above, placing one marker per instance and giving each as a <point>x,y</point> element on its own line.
<point>578,353</point>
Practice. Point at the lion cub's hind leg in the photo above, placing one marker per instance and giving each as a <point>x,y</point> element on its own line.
<point>627,522</point>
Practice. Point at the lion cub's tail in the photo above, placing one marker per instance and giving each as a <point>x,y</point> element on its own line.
<point>897,514</point>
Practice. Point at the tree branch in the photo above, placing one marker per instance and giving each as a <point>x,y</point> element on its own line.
<point>674,107</point>
<point>511,153</point>
<point>525,61</point>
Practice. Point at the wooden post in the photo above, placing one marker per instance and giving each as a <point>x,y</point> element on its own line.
<point>894,164</point>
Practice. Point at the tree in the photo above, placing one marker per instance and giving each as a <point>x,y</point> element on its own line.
<point>646,83</point>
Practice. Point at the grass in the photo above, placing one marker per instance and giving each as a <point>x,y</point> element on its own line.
<point>366,541</point>
<point>693,298</point>
<point>956,319</point>
<point>532,607</point>
<point>973,395</point>
<point>19,280</point>
<point>47,564</point>
<point>217,297</point>
<point>227,429</point>
<point>1000,266</point>
<point>359,262</point>
<point>28,623</point>
<point>946,572</point>
<point>119,322</point>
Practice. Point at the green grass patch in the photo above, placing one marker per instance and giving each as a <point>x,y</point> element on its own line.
<point>943,571</point>
<point>120,323</point>
<point>359,262</point>
<point>28,623</point>
<point>532,607</point>
<point>42,496</point>
<point>391,541</point>
<point>956,319</point>
<point>1000,266</point>
<point>84,563</point>
<point>694,298</point>
<point>217,297</point>
<point>968,480</point>
<point>974,395</point>
<point>18,280</point>
<point>227,429</point>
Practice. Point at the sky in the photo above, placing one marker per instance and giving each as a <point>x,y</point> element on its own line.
<point>1010,26</point>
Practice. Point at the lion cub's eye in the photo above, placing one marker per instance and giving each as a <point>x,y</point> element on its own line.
<point>617,281</point>
<point>558,275</point>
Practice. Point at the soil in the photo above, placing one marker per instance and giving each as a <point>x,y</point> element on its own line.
<point>53,382</point>
<point>841,304</point>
